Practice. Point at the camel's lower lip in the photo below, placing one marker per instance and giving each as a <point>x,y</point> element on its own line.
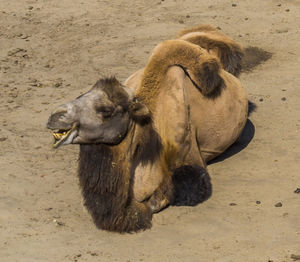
<point>61,136</point>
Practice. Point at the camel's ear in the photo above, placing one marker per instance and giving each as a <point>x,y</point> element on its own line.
<point>139,112</point>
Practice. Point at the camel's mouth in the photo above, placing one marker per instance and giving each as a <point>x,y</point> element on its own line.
<point>64,137</point>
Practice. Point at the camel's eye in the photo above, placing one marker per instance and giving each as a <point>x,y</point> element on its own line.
<point>106,111</point>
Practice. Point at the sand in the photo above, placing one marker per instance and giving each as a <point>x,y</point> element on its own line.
<point>52,51</point>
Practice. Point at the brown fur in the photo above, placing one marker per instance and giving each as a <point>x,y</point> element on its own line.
<point>114,90</point>
<point>106,177</point>
<point>228,51</point>
<point>202,68</point>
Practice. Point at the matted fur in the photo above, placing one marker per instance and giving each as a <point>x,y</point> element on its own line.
<point>191,185</point>
<point>114,90</point>
<point>202,68</point>
<point>228,51</point>
<point>106,178</point>
<point>116,93</point>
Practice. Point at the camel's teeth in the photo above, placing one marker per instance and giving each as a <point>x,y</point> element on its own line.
<point>57,135</point>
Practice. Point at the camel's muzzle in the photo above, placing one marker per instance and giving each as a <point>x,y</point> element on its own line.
<point>64,137</point>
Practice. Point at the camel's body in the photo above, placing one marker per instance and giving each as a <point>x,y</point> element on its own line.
<point>208,126</point>
<point>146,145</point>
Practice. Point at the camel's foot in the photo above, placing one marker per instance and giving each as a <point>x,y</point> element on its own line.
<point>162,196</point>
<point>158,203</point>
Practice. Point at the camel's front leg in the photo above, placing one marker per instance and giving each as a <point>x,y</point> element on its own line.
<point>153,185</point>
<point>188,185</point>
<point>163,195</point>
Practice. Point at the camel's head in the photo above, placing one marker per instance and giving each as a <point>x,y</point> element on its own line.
<point>101,115</point>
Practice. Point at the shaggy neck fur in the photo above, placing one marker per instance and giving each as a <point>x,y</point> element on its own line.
<point>106,179</point>
<point>200,66</point>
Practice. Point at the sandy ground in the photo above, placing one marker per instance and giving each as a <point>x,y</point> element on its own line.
<point>51,51</point>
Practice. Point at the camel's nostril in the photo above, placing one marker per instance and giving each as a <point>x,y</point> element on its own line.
<point>57,116</point>
<point>63,117</point>
<point>57,119</point>
<point>60,111</point>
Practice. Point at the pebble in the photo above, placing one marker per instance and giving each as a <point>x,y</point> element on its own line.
<point>25,36</point>
<point>279,204</point>
<point>297,191</point>
<point>281,31</point>
<point>258,202</point>
<point>261,99</point>
<point>283,98</point>
<point>94,254</point>
<point>58,223</point>
<point>234,5</point>
<point>295,257</point>
<point>232,204</point>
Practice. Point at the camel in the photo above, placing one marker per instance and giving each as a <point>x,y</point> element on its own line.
<point>144,144</point>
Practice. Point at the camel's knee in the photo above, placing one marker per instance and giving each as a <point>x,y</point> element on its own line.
<point>191,185</point>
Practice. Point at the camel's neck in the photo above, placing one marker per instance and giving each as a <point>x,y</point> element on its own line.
<point>106,174</point>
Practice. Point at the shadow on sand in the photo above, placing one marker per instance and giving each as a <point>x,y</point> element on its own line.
<point>242,142</point>
<point>192,184</point>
